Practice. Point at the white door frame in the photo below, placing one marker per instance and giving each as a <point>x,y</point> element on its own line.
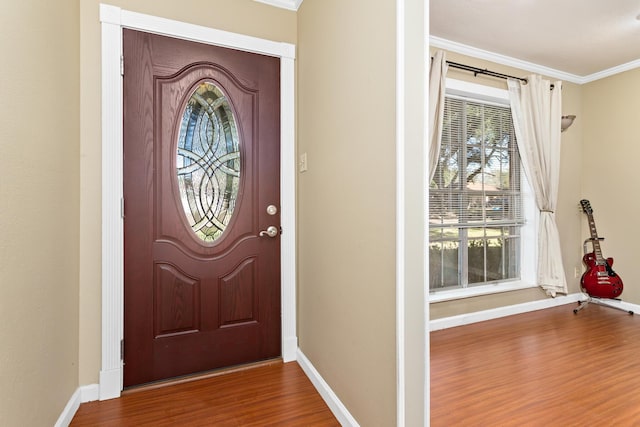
<point>113,20</point>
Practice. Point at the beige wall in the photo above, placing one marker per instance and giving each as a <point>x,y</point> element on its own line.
<point>610,171</point>
<point>346,201</point>
<point>39,193</point>
<point>241,16</point>
<point>567,213</point>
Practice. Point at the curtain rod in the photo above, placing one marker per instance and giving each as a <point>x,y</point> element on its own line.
<point>476,71</point>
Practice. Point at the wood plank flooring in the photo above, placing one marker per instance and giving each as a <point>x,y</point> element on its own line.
<point>544,368</point>
<point>276,394</point>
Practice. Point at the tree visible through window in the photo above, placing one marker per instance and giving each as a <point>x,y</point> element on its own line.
<point>475,204</point>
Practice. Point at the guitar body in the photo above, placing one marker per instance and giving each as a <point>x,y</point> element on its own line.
<point>600,280</point>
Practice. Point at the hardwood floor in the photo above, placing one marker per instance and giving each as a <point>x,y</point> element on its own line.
<point>544,368</point>
<point>276,394</point>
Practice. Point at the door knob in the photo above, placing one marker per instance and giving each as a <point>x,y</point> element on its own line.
<point>272,210</point>
<point>271,231</point>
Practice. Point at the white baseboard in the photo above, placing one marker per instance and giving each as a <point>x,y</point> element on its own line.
<point>479,316</point>
<point>331,399</point>
<point>87,393</point>
<point>70,410</point>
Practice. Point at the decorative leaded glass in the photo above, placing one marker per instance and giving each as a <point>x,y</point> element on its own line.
<point>208,162</point>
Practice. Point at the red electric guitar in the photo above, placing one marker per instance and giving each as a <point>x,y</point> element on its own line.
<point>599,280</point>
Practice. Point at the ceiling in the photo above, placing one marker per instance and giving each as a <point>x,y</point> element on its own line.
<point>577,40</point>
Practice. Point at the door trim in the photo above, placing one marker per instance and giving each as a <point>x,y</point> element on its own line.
<point>113,19</point>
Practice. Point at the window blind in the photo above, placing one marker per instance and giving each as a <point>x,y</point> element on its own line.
<point>477,179</point>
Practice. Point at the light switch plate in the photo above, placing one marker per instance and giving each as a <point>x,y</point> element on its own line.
<point>303,162</point>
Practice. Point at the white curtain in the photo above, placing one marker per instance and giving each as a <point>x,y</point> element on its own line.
<point>437,85</point>
<point>537,110</point>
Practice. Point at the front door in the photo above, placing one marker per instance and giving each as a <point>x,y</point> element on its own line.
<point>201,207</point>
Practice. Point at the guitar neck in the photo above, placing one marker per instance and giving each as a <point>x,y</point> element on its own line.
<point>595,239</point>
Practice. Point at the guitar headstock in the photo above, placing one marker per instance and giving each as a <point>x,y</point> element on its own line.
<point>586,206</point>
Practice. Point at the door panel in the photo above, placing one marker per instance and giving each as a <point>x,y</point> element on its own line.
<point>201,124</point>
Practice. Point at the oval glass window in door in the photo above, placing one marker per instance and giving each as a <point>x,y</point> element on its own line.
<point>208,162</point>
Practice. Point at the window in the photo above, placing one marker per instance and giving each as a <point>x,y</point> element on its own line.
<point>478,197</point>
<point>208,162</point>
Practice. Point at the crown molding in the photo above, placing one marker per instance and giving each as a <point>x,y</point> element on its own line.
<point>611,71</point>
<point>502,59</point>
<point>284,4</point>
<point>474,52</point>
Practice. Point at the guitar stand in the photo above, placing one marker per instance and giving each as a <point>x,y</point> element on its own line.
<point>599,301</point>
<point>596,300</point>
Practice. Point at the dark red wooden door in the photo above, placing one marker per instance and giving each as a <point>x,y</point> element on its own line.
<point>201,168</point>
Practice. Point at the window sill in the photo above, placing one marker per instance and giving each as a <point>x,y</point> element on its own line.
<point>475,291</point>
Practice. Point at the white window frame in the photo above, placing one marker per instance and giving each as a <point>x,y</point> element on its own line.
<point>528,232</point>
